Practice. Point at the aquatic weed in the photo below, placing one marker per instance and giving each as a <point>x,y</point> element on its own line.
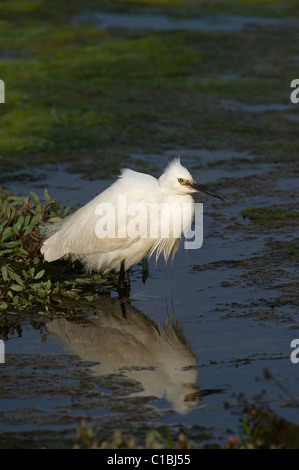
<point>26,281</point>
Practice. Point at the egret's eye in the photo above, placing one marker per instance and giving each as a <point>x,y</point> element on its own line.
<point>180,180</point>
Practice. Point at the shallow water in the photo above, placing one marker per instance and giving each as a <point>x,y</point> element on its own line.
<point>192,340</point>
<point>258,108</point>
<point>208,23</point>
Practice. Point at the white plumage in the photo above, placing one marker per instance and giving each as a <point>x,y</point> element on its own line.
<point>76,237</point>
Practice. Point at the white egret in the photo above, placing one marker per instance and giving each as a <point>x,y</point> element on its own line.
<point>78,236</point>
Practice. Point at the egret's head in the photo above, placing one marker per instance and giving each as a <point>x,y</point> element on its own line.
<point>177,179</point>
<point>174,178</point>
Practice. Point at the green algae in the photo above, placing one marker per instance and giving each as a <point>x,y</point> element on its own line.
<point>42,8</point>
<point>261,214</point>
<point>74,91</point>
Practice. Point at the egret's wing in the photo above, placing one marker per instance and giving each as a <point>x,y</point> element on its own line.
<point>111,213</point>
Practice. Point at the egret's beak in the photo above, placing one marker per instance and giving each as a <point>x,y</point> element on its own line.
<point>201,188</point>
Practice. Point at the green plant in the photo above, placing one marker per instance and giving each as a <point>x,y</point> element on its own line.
<point>26,281</point>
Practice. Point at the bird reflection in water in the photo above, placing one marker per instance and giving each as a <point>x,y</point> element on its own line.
<point>158,358</point>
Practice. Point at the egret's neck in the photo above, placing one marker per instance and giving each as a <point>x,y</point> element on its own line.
<point>174,197</point>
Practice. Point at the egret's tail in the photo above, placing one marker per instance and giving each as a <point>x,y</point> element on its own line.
<point>52,249</point>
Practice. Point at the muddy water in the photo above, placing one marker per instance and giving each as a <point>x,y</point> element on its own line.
<point>193,339</point>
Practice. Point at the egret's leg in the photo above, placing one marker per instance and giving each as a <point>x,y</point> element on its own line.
<point>123,309</point>
<point>123,281</point>
<point>127,280</point>
<point>121,276</point>
<point>144,270</point>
